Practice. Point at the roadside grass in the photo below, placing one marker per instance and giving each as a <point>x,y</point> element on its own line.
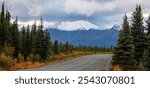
<point>117,68</point>
<point>51,60</point>
<point>120,68</point>
<point>67,56</point>
<point>26,65</point>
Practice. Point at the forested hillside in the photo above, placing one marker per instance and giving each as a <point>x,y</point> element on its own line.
<point>91,37</point>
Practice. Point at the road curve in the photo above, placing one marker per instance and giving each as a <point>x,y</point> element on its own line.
<point>84,63</point>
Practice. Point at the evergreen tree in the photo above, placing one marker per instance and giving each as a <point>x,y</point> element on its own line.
<point>46,46</point>
<point>66,46</point>
<point>40,38</point>
<point>8,38</point>
<point>137,30</point>
<point>43,42</point>
<point>28,42</point>
<point>2,29</point>
<point>146,56</point>
<point>16,37</point>
<point>23,40</point>
<point>3,13</point>
<point>124,51</point>
<point>34,38</point>
<point>61,47</point>
<point>56,47</point>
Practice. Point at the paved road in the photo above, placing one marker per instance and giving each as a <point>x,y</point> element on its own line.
<point>84,63</point>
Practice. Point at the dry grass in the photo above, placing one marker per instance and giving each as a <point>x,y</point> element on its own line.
<point>25,65</point>
<point>117,68</point>
<point>6,62</point>
<point>53,59</point>
<point>66,56</point>
<point>141,67</point>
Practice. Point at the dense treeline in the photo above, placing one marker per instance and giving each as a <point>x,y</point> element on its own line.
<point>133,49</point>
<point>30,43</point>
<point>26,44</point>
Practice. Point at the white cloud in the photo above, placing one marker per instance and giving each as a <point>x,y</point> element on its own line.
<point>32,7</point>
<point>46,23</point>
<point>90,7</point>
<point>30,23</point>
<point>86,7</point>
<point>101,12</point>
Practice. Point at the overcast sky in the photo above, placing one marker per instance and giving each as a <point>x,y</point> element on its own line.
<point>104,13</point>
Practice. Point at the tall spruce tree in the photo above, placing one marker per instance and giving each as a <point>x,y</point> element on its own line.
<point>146,55</point>
<point>66,46</point>
<point>16,37</point>
<point>2,29</point>
<point>40,39</point>
<point>23,40</point>
<point>8,38</point>
<point>46,46</point>
<point>124,51</point>
<point>137,30</point>
<point>56,47</point>
<point>28,41</point>
<point>34,38</point>
<point>44,42</point>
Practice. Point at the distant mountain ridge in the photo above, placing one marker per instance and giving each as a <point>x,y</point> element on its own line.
<point>75,25</point>
<point>86,37</point>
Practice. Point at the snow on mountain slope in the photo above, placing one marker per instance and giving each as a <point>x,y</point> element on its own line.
<point>75,25</point>
<point>116,27</point>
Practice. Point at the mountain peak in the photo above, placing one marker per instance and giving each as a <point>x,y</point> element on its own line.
<point>116,27</point>
<point>74,25</point>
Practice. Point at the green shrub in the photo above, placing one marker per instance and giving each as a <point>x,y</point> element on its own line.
<point>8,50</point>
<point>33,58</point>
<point>37,57</point>
<point>6,62</point>
<point>30,57</point>
<point>20,58</point>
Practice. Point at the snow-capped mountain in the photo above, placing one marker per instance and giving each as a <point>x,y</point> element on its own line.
<point>75,25</point>
<point>91,37</point>
<point>116,27</point>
